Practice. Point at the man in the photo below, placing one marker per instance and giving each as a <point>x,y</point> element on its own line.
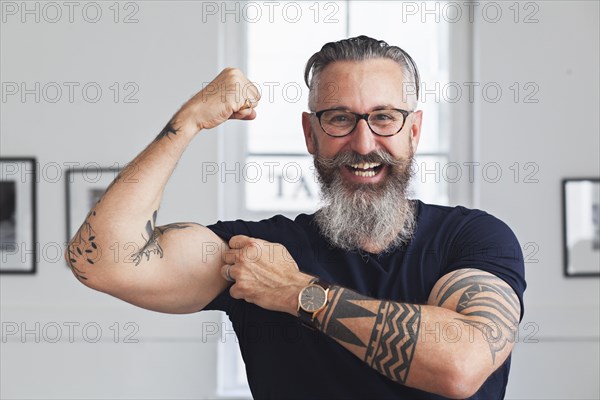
<point>374,296</point>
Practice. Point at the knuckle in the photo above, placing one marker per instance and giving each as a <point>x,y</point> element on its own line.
<point>233,291</point>
<point>241,288</point>
<point>252,243</point>
<point>236,74</point>
<point>252,252</point>
<point>228,256</point>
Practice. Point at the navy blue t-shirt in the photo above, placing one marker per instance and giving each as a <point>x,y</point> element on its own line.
<point>286,360</point>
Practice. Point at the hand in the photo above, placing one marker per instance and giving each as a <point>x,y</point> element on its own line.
<point>229,96</point>
<point>264,273</point>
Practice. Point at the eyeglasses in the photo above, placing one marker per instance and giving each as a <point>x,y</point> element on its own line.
<point>338,123</point>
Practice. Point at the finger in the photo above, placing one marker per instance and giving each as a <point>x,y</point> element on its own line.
<point>239,241</point>
<point>251,94</point>
<point>235,292</point>
<point>250,116</point>
<point>230,256</point>
<point>247,104</point>
<point>226,272</point>
<point>246,114</point>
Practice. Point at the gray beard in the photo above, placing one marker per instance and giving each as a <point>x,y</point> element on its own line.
<point>374,217</point>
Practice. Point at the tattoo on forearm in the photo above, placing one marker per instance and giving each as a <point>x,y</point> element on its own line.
<point>83,249</point>
<point>167,130</point>
<point>393,343</point>
<point>390,345</point>
<point>152,246</point>
<point>490,300</point>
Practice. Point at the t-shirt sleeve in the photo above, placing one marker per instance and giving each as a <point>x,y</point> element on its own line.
<point>486,243</point>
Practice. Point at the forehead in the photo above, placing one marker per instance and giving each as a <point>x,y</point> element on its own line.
<point>361,85</point>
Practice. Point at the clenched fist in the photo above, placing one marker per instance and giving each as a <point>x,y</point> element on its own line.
<point>229,96</point>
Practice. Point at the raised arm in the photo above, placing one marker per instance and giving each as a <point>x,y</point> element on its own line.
<point>120,250</point>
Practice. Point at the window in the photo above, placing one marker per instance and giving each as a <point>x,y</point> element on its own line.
<point>277,135</point>
<point>278,173</point>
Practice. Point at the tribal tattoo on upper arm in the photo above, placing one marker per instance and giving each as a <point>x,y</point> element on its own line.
<point>491,304</point>
<point>389,346</point>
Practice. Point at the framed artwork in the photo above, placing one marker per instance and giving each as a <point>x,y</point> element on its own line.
<point>84,187</point>
<point>581,226</point>
<point>18,241</point>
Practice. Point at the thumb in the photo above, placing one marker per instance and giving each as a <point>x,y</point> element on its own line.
<point>239,241</point>
<point>245,114</point>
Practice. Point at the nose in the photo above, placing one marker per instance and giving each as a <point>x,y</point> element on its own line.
<point>362,140</point>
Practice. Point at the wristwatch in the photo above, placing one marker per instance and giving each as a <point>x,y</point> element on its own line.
<point>311,300</point>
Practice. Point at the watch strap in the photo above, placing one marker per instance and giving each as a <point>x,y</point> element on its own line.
<point>320,282</point>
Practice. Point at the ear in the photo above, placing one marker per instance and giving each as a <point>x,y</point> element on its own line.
<point>415,128</point>
<point>308,133</point>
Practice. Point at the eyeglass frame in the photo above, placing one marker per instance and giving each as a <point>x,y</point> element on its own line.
<point>365,116</point>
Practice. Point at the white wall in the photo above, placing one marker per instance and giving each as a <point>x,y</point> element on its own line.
<point>560,135</point>
<point>169,53</point>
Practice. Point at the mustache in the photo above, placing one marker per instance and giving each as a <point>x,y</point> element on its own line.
<point>351,157</point>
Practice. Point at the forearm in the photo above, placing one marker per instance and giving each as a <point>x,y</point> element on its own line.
<point>126,213</point>
<point>427,347</point>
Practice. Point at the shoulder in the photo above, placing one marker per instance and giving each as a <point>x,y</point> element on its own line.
<point>274,229</point>
<point>462,223</point>
<point>474,239</point>
<point>439,212</point>
<point>464,232</point>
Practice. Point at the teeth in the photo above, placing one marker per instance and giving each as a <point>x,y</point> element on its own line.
<point>367,174</point>
<point>365,165</point>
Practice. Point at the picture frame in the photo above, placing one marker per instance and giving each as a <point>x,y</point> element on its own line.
<point>18,215</point>
<point>581,227</point>
<point>83,188</point>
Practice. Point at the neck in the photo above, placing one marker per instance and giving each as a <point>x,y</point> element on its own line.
<point>374,248</point>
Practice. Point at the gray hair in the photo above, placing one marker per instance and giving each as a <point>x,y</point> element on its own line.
<point>361,48</point>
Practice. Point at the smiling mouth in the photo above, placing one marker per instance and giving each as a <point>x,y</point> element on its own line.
<point>366,170</point>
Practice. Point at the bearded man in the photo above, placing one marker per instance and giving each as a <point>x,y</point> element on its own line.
<point>373,296</point>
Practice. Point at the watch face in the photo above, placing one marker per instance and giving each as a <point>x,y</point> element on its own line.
<point>312,298</point>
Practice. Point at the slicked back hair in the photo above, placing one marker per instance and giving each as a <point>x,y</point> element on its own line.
<point>361,48</point>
